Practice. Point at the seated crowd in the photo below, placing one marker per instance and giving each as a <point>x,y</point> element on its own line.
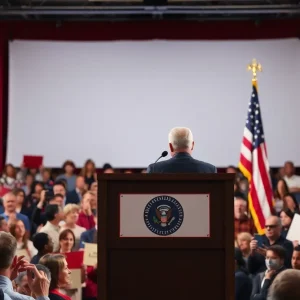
<point>267,266</point>
<point>44,217</point>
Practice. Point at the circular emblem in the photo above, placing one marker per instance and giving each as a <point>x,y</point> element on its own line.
<point>163,215</point>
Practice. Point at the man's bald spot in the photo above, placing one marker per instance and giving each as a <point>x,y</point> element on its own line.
<point>273,220</point>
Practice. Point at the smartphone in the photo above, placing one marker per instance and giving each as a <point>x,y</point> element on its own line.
<point>259,240</point>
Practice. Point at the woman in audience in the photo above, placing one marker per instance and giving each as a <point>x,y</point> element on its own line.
<point>22,206</point>
<point>35,173</point>
<point>279,194</point>
<point>28,186</point>
<point>71,213</point>
<point>86,217</point>
<point>66,241</point>
<point>17,229</point>
<point>8,179</point>
<point>243,241</point>
<point>286,217</point>
<point>69,176</point>
<point>89,172</point>
<point>60,275</point>
<point>290,202</point>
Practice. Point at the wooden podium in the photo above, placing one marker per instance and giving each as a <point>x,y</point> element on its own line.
<point>138,258</point>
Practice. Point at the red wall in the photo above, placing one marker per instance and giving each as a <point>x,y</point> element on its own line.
<point>130,31</point>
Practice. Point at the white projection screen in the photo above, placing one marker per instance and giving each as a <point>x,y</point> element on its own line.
<point>116,101</point>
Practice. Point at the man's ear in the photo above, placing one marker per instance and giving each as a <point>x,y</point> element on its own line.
<point>171,148</point>
<point>193,145</point>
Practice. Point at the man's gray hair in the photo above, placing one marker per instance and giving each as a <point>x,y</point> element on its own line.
<point>8,248</point>
<point>181,138</point>
<point>285,286</point>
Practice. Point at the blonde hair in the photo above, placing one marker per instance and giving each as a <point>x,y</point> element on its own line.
<point>246,236</point>
<point>70,208</point>
<point>181,138</point>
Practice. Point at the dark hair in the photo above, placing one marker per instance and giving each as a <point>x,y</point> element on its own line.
<point>40,240</point>
<point>107,166</point>
<point>60,182</point>
<point>68,163</point>
<point>297,248</point>
<point>50,211</point>
<point>278,250</point>
<point>288,212</point>
<point>294,200</point>
<point>286,188</point>
<point>58,195</point>
<point>1,218</point>
<point>64,234</point>
<point>239,195</point>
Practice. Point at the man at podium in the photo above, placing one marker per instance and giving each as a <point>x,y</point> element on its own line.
<point>181,144</point>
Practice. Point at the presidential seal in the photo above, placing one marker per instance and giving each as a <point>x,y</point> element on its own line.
<point>163,215</point>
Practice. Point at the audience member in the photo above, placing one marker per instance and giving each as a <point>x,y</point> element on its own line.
<point>292,180</point>
<point>69,176</point>
<point>10,213</point>
<point>296,258</point>
<point>3,224</point>
<point>290,202</point>
<point>54,216</point>
<point>86,217</point>
<point>243,242</point>
<point>66,241</point>
<point>60,188</point>
<point>242,223</point>
<point>243,283</point>
<point>286,217</point>
<point>256,260</point>
<point>60,275</point>
<point>17,229</point>
<point>10,267</point>
<point>89,172</point>
<point>285,286</point>
<point>71,214</point>
<point>274,261</point>
<point>44,245</point>
<point>75,195</point>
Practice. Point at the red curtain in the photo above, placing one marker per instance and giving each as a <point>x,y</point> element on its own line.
<point>88,31</point>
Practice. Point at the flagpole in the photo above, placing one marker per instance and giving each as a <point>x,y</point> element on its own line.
<point>254,67</point>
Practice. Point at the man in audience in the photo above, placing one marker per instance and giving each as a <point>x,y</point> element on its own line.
<point>285,286</point>
<point>296,258</point>
<point>10,267</point>
<point>43,243</point>
<point>10,213</point>
<point>3,224</point>
<point>38,217</point>
<point>60,188</point>
<point>54,215</point>
<point>242,223</point>
<point>181,145</point>
<point>256,260</point>
<point>274,261</point>
<point>75,196</point>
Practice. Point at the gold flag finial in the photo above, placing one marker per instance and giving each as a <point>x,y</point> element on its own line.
<point>254,67</point>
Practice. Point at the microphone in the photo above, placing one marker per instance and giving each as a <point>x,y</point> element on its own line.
<point>164,154</point>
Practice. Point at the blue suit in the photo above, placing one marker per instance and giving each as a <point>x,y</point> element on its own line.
<point>182,162</point>
<point>87,237</point>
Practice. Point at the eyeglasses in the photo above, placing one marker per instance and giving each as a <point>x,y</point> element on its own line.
<point>270,226</point>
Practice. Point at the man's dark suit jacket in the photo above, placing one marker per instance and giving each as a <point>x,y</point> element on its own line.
<point>182,162</point>
<point>72,197</point>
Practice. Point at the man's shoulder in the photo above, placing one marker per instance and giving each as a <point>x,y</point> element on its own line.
<point>206,165</point>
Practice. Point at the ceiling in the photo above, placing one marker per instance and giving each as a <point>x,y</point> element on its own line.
<point>114,10</point>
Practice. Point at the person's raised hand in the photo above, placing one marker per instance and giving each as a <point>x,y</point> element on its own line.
<point>37,281</point>
<point>16,267</point>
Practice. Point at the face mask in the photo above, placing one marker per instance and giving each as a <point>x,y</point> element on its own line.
<point>272,264</point>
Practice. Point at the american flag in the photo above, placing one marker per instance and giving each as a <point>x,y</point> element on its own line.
<point>255,166</point>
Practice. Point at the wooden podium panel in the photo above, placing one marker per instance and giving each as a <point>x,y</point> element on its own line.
<point>143,268</point>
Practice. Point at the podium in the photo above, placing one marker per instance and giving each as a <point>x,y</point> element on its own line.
<point>165,236</point>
